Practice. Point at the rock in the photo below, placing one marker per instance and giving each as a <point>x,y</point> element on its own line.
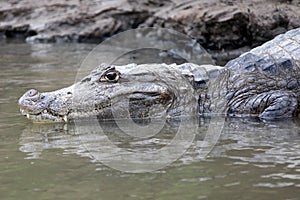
<point>216,24</point>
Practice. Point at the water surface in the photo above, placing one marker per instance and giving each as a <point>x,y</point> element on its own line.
<point>251,160</point>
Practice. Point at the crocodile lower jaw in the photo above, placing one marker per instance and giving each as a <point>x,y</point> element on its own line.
<point>48,116</point>
<point>45,116</point>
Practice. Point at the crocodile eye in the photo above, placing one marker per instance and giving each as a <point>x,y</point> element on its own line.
<point>112,76</point>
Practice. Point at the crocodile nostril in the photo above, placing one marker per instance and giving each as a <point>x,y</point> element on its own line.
<point>29,96</point>
<point>32,92</point>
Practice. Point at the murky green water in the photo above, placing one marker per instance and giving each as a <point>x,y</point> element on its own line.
<point>251,160</point>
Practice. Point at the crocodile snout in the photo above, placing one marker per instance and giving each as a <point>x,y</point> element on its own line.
<point>32,102</point>
<point>46,106</point>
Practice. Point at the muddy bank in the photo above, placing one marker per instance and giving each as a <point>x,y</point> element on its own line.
<point>216,24</point>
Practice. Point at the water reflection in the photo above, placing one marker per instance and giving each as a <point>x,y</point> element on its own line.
<point>244,141</point>
<point>113,145</point>
<point>262,143</point>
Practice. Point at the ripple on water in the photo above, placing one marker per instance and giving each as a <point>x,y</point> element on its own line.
<point>274,185</point>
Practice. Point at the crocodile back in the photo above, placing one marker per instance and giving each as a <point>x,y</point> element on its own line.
<point>257,79</point>
<point>274,65</point>
<point>281,53</point>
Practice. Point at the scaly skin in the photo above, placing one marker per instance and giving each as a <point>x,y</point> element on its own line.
<point>264,82</point>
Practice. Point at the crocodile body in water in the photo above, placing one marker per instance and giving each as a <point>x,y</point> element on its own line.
<point>264,82</point>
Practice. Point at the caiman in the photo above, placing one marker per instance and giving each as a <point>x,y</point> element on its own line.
<point>264,82</point>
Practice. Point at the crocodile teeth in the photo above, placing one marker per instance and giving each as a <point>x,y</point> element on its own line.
<point>65,118</point>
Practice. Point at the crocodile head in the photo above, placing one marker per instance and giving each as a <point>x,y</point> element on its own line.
<point>135,91</point>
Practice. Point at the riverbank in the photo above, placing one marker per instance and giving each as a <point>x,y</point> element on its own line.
<point>217,25</point>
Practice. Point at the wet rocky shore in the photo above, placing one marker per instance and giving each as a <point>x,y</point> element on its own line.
<point>229,26</point>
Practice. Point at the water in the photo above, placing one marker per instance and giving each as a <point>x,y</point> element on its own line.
<point>251,160</point>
